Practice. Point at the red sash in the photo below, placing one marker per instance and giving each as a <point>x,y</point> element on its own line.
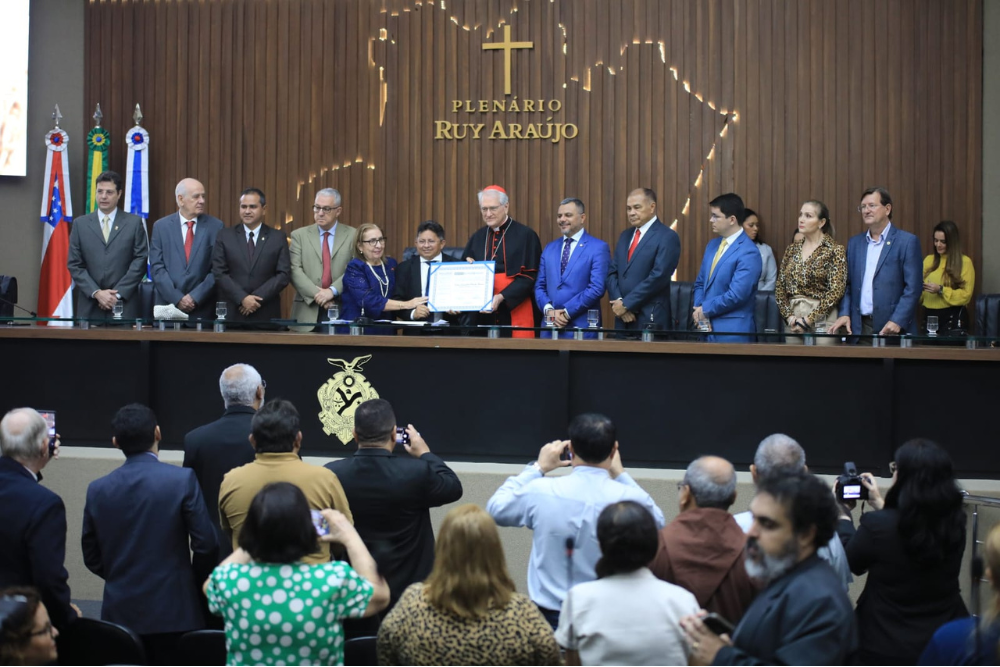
<point>522,315</point>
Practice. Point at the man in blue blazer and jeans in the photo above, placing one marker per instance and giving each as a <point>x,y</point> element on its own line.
<point>573,271</point>
<point>725,290</point>
<point>136,526</point>
<point>884,273</point>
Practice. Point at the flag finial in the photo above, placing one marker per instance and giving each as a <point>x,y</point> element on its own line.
<point>137,116</point>
<point>98,116</point>
<point>56,117</point>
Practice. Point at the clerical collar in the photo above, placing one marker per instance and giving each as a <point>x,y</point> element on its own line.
<point>503,227</point>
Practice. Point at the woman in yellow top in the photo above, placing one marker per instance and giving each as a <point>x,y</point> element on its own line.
<point>813,276</point>
<point>948,280</point>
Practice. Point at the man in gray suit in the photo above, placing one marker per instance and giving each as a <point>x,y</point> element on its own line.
<point>107,255</point>
<point>181,253</point>
<point>318,272</point>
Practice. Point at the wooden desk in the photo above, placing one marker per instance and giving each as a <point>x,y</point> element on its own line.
<point>479,399</point>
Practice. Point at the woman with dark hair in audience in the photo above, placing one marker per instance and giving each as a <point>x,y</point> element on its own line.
<point>911,549</point>
<point>627,616</point>
<point>278,610</point>
<point>370,279</point>
<point>966,642</point>
<point>813,275</point>
<point>467,611</point>
<point>27,636</point>
<point>949,279</point>
<point>769,270</point>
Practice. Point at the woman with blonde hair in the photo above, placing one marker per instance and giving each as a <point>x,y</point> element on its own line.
<point>370,279</point>
<point>467,612</point>
<point>964,642</point>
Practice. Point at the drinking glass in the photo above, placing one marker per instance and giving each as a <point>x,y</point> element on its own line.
<point>932,325</point>
<point>550,317</point>
<point>118,309</point>
<point>593,317</point>
<point>220,310</point>
<point>704,325</point>
<point>333,313</point>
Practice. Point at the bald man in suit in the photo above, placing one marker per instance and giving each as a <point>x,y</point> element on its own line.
<point>107,255</point>
<point>316,286</point>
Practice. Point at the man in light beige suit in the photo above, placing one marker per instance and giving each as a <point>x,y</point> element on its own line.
<point>318,272</point>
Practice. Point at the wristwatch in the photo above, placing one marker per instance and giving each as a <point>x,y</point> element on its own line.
<point>534,464</point>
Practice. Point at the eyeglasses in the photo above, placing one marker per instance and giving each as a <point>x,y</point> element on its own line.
<point>46,630</point>
<point>868,207</point>
<point>371,243</point>
<point>892,467</point>
<point>491,209</point>
<point>325,209</point>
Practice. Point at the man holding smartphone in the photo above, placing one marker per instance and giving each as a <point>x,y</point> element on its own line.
<point>391,494</point>
<point>33,531</point>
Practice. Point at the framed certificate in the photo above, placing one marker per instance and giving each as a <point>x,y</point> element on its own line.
<point>460,286</point>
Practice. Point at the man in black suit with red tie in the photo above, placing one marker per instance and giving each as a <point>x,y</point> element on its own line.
<point>412,274</point>
<point>251,264</point>
<point>390,495</point>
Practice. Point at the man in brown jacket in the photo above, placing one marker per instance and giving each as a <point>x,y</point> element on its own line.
<point>702,549</point>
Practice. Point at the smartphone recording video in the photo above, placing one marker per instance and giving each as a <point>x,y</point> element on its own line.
<point>402,437</point>
<point>322,527</point>
<point>50,421</point>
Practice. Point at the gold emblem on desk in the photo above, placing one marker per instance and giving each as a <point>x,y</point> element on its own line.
<point>341,396</point>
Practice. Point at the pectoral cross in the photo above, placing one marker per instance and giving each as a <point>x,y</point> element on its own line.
<point>507,47</point>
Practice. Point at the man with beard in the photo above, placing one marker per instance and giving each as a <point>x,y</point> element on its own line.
<point>803,616</point>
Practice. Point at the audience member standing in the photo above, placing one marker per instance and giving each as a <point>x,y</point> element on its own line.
<point>912,551</point>
<point>883,273</point>
<point>726,286</point>
<point>277,439</point>
<point>33,531</point>
<point>769,269</point>
<point>949,280</point>
<point>467,612</point>
<point>137,524</point>
<point>279,610</point>
<point>702,549</point>
<point>392,495</point>
<point>564,510</point>
<point>627,616</point>
<point>214,449</point>
<point>813,275</point>
<point>803,615</point>
<point>779,455</point>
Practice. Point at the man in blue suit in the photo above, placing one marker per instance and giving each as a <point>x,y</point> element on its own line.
<point>573,271</point>
<point>180,254</point>
<point>726,287</point>
<point>33,530</point>
<point>641,269</point>
<point>884,273</point>
<point>136,526</point>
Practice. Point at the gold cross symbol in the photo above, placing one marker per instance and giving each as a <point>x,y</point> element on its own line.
<point>507,47</point>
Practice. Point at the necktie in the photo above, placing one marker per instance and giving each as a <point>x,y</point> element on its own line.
<point>718,254</point>
<point>189,241</point>
<point>327,274</point>
<point>106,227</point>
<point>427,278</point>
<point>635,242</point>
<point>250,247</point>
<point>565,254</point>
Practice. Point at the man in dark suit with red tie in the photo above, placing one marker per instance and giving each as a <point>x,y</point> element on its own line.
<point>251,264</point>
<point>641,268</point>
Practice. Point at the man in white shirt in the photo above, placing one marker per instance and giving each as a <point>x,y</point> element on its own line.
<point>562,511</point>
<point>412,275</point>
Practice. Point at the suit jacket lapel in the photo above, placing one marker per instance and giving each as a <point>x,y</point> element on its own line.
<point>727,256</point>
<point>885,251</point>
<point>94,223</point>
<point>577,251</point>
<point>640,247</point>
<point>199,232</point>
<point>339,241</point>
<point>316,246</point>
<point>263,233</point>
<point>116,226</point>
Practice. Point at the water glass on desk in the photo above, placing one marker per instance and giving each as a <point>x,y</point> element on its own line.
<point>118,309</point>
<point>221,310</point>
<point>932,325</point>
<point>333,313</point>
<point>593,317</point>
<point>550,317</point>
<point>704,325</point>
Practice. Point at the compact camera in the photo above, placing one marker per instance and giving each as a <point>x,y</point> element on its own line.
<point>849,486</point>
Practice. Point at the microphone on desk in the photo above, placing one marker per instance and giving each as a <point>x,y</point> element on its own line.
<point>362,319</point>
<point>21,308</point>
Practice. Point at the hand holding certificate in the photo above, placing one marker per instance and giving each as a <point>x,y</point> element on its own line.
<point>460,286</point>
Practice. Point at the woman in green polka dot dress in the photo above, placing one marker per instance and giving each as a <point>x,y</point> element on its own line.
<point>279,611</point>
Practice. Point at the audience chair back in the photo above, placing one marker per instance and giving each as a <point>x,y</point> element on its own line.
<point>147,299</point>
<point>202,647</point>
<point>988,315</point>
<point>360,651</point>
<point>766,314</point>
<point>88,641</point>
<point>681,306</point>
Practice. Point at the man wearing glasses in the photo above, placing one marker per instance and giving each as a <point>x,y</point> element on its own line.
<point>320,255</point>
<point>517,252</point>
<point>884,273</point>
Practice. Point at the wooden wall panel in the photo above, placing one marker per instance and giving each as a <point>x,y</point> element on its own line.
<point>779,100</point>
